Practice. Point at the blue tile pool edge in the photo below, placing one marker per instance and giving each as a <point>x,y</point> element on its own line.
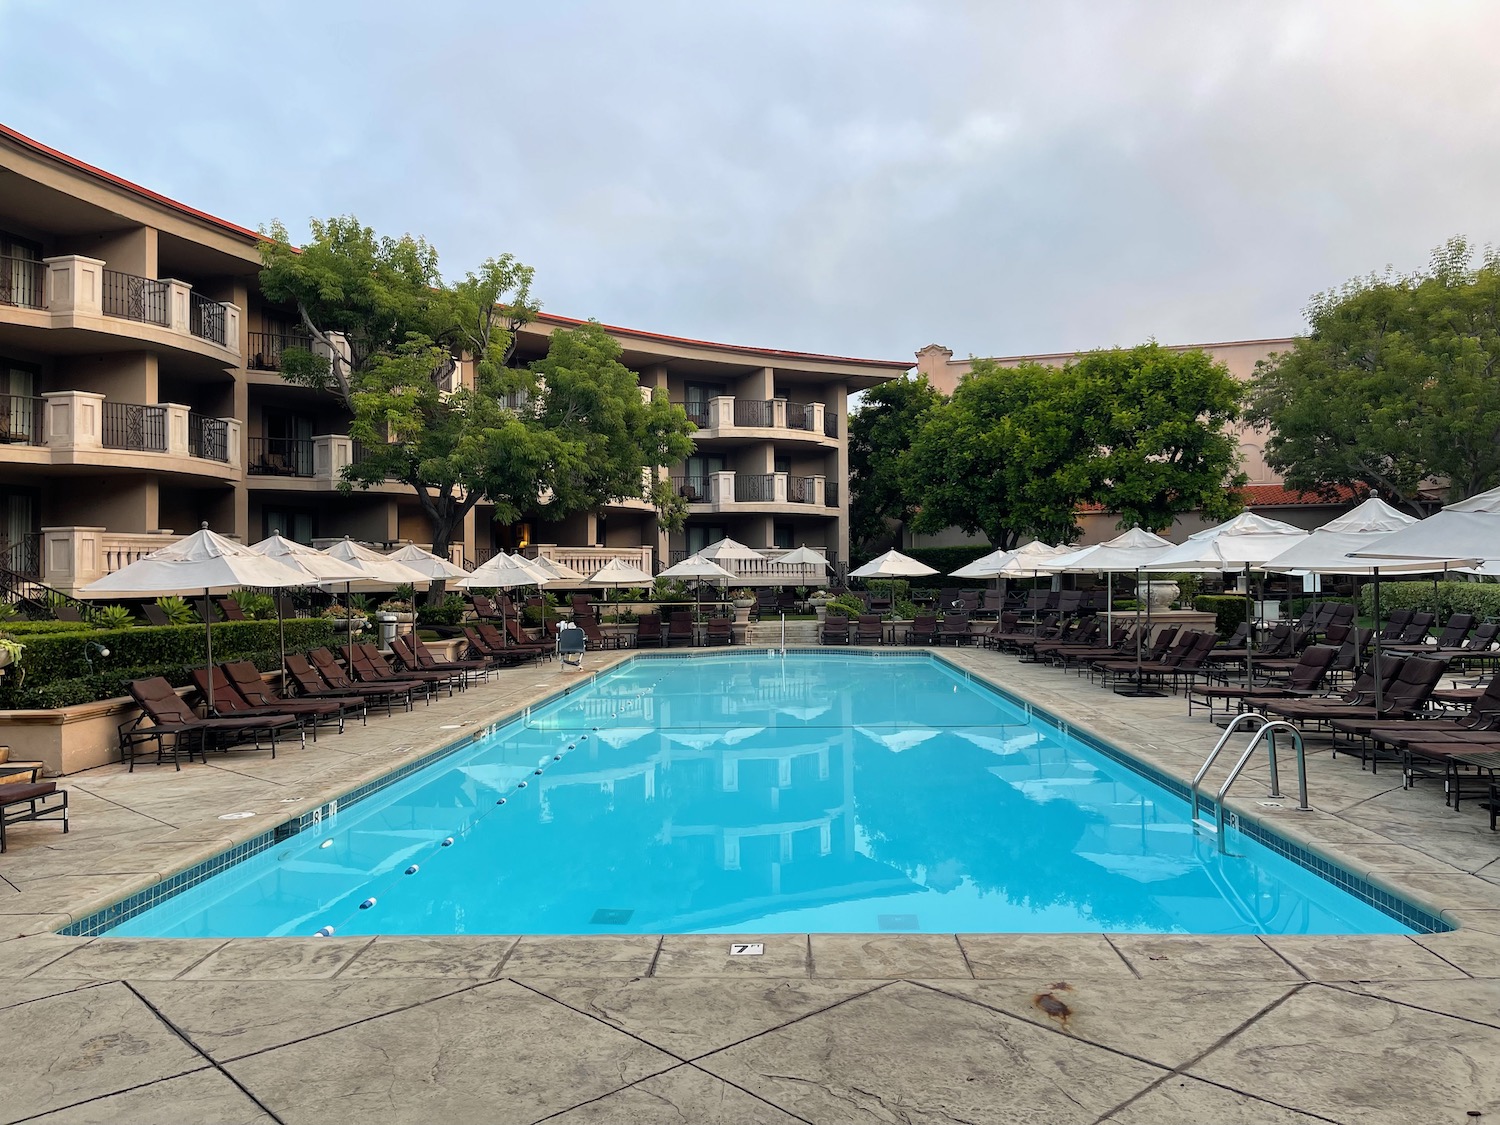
<point>1385,900</point>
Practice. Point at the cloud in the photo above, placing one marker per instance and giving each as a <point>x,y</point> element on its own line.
<point>855,176</point>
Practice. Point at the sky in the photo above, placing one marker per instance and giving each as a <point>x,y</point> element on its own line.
<point>858,177</point>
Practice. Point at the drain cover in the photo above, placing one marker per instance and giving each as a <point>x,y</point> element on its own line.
<point>604,917</point>
<point>236,815</point>
<point>897,921</point>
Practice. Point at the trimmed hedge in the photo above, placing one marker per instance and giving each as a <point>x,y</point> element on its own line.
<point>39,628</point>
<point>57,674</point>
<point>1479,598</point>
<point>1228,610</point>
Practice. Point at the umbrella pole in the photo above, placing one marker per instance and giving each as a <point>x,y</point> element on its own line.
<point>348,615</point>
<point>1375,661</point>
<point>208,632</point>
<point>1109,606</point>
<point>280,634</point>
<point>1249,636</point>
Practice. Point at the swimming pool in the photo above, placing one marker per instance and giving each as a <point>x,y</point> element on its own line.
<point>814,792</point>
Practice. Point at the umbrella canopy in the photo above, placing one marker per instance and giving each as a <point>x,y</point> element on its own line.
<point>202,561</point>
<point>377,571</point>
<point>618,572</point>
<point>1466,530</point>
<point>803,556</point>
<point>696,566</point>
<point>893,564</point>
<point>1027,561</point>
<point>503,571</point>
<point>1248,540</point>
<point>1328,549</point>
<point>558,573</point>
<point>984,567</point>
<point>727,550</point>
<point>1135,548</point>
<point>433,566</point>
<point>313,563</point>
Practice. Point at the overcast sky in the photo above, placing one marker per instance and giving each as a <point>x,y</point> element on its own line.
<point>859,177</point>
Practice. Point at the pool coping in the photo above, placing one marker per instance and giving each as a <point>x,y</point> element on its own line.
<point>1316,857</point>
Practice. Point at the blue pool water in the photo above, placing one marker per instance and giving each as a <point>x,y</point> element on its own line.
<point>812,792</point>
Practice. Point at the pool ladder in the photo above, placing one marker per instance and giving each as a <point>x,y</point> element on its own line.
<point>1265,732</point>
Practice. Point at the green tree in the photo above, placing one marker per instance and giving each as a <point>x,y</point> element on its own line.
<point>1158,443</point>
<point>1018,450</point>
<point>571,432</point>
<point>880,432</point>
<point>1397,382</point>
<point>1001,457</point>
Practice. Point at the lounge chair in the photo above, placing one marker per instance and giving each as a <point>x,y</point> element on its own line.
<point>312,684</point>
<point>165,715</point>
<point>835,630</point>
<point>869,630</point>
<point>500,656</point>
<point>1423,742</point>
<point>64,612</point>
<point>924,630</point>
<point>1407,695</point>
<point>23,801</point>
<point>648,631</point>
<point>518,638</point>
<point>680,628</point>
<point>229,609</point>
<point>955,628</point>
<point>1395,625</point>
<point>154,614</point>
<point>484,609</point>
<point>413,654</point>
<point>498,642</point>
<point>247,681</point>
<point>1303,680</point>
<point>230,704</point>
<point>719,632</point>
<point>339,677</point>
<point>371,667</point>
<point>596,637</point>
<point>1453,635</point>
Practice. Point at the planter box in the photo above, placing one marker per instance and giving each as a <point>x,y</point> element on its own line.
<point>68,739</point>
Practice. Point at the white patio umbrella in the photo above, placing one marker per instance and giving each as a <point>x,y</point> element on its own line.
<point>557,570</point>
<point>433,566</point>
<point>893,564</point>
<point>1244,543</point>
<point>1331,549</point>
<point>805,556</point>
<point>504,572</point>
<point>1467,529</point>
<point>1127,552</point>
<point>378,572</point>
<point>984,567</point>
<point>202,561</point>
<point>696,566</point>
<point>728,550</point>
<point>313,563</point>
<point>618,572</point>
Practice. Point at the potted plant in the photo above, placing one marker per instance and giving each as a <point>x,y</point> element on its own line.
<point>10,651</point>
<point>400,608</point>
<point>354,618</point>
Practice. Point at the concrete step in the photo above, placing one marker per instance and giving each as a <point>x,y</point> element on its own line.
<point>767,634</point>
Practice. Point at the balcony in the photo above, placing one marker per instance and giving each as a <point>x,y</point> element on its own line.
<point>114,309</point>
<point>280,457</point>
<point>266,348</point>
<point>770,571</point>
<point>760,419</point>
<point>22,420</point>
<point>589,560</point>
<point>22,282</point>
<point>760,492</point>
<point>84,428</point>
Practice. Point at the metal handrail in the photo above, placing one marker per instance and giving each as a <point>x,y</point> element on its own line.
<point>1268,733</point>
<point>1218,746</point>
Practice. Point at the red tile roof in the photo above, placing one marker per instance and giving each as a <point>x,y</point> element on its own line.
<point>1278,496</point>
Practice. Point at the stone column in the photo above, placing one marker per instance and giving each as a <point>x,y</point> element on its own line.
<point>74,285</point>
<point>179,305</point>
<point>71,557</point>
<point>177,428</point>
<point>74,420</point>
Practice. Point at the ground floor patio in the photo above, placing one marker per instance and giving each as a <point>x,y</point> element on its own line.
<point>820,1028</point>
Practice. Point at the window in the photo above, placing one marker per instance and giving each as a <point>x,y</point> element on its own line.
<point>783,464</point>
<point>20,271</point>
<point>21,532</point>
<point>700,536</point>
<point>296,524</point>
<point>783,537</point>
<point>20,410</point>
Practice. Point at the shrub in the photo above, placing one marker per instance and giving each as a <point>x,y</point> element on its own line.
<point>38,628</point>
<point>178,611</point>
<point>253,604</point>
<point>845,605</point>
<point>1228,610</point>
<point>450,611</point>
<point>58,672</point>
<point>897,589</point>
<point>113,617</point>
<point>1479,598</point>
<point>905,611</point>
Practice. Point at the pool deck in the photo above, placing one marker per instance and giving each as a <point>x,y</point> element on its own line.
<point>821,1028</point>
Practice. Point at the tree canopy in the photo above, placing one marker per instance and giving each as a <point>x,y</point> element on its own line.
<point>1398,382</point>
<point>1018,450</point>
<point>883,428</point>
<point>570,432</point>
